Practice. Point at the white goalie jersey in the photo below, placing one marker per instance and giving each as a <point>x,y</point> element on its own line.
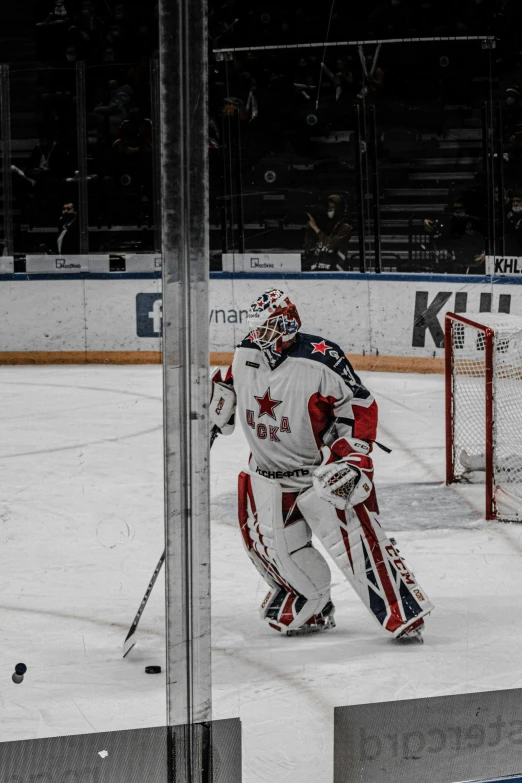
<point>285,412</point>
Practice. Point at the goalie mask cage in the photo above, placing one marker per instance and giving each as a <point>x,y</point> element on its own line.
<point>484,407</point>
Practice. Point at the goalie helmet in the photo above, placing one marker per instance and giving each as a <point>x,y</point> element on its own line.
<point>272,321</point>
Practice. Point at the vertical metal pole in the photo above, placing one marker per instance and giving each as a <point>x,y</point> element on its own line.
<point>5,139</point>
<point>226,190</point>
<point>487,165</point>
<point>490,438</point>
<point>239,187</point>
<point>81,136</point>
<point>500,179</point>
<point>376,194</point>
<point>185,249</point>
<point>360,188</point>
<point>156,144</point>
<point>410,241</point>
<point>448,356</point>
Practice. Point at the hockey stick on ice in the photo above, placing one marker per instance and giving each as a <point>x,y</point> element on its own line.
<point>130,640</point>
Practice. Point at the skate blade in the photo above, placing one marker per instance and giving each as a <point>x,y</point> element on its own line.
<point>412,634</point>
<point>411,637</point>
<point>307,629</point>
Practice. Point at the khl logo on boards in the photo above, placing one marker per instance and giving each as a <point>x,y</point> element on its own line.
<point>428,317</point>
<point>148,315</point>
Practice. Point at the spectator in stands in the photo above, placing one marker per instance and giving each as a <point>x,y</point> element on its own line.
<point>372,78</point>
<point>100,174</point>
<point>513,225</point>
<point>134,139</point>
<point>68,239</point>
<point>52,32</point>
<point>325,248</point>
<point>119,96</point>
<point>457,240</point>
<point>58,15</point>
<point>48,159</point>
<point>46,169</point>
<point>88,24</point>
<point>343,80</point>
<point>133,156</point>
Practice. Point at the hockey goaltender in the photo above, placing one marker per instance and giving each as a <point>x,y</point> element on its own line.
<point>300,403</point>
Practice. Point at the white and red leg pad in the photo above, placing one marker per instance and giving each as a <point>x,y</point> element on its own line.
<point>369,561</point>
<point>283,554</point>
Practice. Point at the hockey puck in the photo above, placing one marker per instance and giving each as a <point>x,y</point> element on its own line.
<point>20,668</point>
<point>153,669</point>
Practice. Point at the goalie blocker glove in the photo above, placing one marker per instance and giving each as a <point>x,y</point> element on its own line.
<point>344,477</point>
<point>222,405</point>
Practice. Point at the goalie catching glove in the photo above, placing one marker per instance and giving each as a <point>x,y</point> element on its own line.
<point>222,405</point>
<point>344,477</point>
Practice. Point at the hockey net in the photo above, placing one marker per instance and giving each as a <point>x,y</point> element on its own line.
<point>484,407</point>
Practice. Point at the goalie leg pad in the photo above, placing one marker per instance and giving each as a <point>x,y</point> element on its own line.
<point>283,554</point>
<point>369,561</point>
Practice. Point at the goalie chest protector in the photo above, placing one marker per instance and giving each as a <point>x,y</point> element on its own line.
<point>286,411</point>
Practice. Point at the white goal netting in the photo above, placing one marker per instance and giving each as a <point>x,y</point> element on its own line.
<point>470,423</point>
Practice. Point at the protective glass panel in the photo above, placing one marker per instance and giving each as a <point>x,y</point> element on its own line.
<point>82,449</point>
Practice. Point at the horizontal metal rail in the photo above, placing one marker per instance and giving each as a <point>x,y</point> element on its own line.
<point>374,41</point>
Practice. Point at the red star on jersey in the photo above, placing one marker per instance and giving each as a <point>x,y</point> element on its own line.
<point>321,347</point>
<point>267,404</point>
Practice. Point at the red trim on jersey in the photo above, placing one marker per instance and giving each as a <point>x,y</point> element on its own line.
<point>395,620</point>
<point>365,426</point>
<point>229,378</point>
<point>320,413</point>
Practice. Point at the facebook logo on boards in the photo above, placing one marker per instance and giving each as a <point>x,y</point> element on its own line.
<point>148,315</point>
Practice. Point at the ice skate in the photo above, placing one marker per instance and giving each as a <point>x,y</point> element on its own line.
<point>319,622</point>
<point>413,633</point>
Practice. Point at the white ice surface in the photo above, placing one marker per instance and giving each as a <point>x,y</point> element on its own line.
<point>81,531</point>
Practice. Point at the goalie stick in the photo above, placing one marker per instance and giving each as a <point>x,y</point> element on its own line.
<point>130,640</point>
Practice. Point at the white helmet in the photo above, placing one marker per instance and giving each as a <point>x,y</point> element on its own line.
<point>273,320</point>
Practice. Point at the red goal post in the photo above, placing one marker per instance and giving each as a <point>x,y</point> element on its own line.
<point>484,407</point>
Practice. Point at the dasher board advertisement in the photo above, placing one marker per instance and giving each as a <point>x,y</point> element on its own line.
<point>261,262</point>
<point>503,265</point>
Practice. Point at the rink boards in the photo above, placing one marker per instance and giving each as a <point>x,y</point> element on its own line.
<point>386,322</point>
